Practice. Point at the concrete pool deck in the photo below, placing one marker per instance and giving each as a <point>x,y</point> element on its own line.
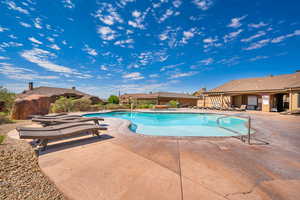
<point>122,165</point>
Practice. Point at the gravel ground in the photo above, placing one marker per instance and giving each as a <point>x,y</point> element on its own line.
<point>20,175</point>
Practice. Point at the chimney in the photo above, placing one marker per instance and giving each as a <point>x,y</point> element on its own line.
<point>203,89</point>
<point>30,86</point>
<point>297,71</point>
<point>73,88</point>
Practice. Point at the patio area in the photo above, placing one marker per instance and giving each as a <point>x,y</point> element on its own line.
<point>122,165</point>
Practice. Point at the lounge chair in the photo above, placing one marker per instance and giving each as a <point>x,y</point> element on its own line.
<point>43,135</point>
<point>242,108</point>
<point>48,122</point>
<point>57,117</point>
<point>47,116</point>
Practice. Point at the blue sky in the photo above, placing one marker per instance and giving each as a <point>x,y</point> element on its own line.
<point>102,47</point>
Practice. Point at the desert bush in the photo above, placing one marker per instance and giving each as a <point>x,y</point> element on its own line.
<point>62,104</point>
<point>174,104</point>
<point>4,118</point>
<point>97,107</point>
<point>143,106</point>
<point>82,104</point>
<point>111,106</point>
<point>7,100</point>
<point>113,99</point>
<point>2,137</point>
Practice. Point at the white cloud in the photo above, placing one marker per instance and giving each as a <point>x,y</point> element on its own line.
<point>68,4</point>
<point>41,58</point>
<point>170,67</point>
<point>231,36</point>
<point>177,3</point>
<point>106,33</point>
<point>188,35</point>
<point>50,39</point>
<point>90,51</point>
<point>210,40</point>
<point>258,45</point>
<point>25,24</point>
<point>236,22</point>
<point>103,67</point>
<point>37,23</point>
<point>136,25</point>
<point>203,4</point>
<point>140,88</point>
<point>4,58</point>
<point>258,58</point>
<point>207,61</point>
<point>230,61</point>
<point>169,12</point>
<point>163,36</point>
<point>12,6</point>
<point>136,13</point>
<point>180,75</point>
<point>260,24</point>
<point>283,37</point>
<point>2,29</point>
<point>108,14</point>
<point>133,76</point>
<point>123,43</point>
<point>154,75</point>
<point>32,39</point>
<point>54,46</point>
<point>259,34</point>
<point>21,73</point>
<point>5,45</point>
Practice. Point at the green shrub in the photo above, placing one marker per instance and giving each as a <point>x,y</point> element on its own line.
<point>62,104</point>
<point>113,99</point>
<point>82,104</point>
<point>4,119</point>
<point>7,100</point>
<point>143,106</point>
<point>111,106</point>
<point>174,104</point>
<point>2,137</point>
<point>97,107</point>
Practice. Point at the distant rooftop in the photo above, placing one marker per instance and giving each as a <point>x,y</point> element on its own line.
<point>159,94</point>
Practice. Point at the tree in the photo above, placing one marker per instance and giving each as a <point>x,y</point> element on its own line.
<point>113,99</point>
<point>7,100</point>
<point>62,104</point>
<point>174,103</point>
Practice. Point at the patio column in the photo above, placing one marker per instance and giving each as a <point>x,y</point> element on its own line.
<point>266,103</point>
<point>290,100</point>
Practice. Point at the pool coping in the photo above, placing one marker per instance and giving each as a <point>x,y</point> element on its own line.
<point>124,128</point>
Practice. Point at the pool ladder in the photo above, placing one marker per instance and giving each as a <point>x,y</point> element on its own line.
<point>242,137</point>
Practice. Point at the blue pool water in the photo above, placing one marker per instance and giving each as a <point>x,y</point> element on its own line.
<point>179,124</point>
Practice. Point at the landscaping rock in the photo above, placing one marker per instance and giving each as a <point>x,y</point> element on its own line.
<point>20,175</point>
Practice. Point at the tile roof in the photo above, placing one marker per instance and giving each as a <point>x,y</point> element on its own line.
<point>52,91</point>
<point>280,82</point>
<point>159,94</point>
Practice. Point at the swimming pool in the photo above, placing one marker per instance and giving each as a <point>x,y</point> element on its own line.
<point>180,124</point>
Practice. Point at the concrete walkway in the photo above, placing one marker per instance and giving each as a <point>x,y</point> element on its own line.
<point>122,165</point>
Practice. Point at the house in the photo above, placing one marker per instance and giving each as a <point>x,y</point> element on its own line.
<point>271,93</point>
<point>38,100</point>
<point>159,98</point>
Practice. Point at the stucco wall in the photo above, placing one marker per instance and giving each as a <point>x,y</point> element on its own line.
<point>215,101</point>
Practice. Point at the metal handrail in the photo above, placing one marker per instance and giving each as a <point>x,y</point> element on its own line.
<point>241,116</point>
